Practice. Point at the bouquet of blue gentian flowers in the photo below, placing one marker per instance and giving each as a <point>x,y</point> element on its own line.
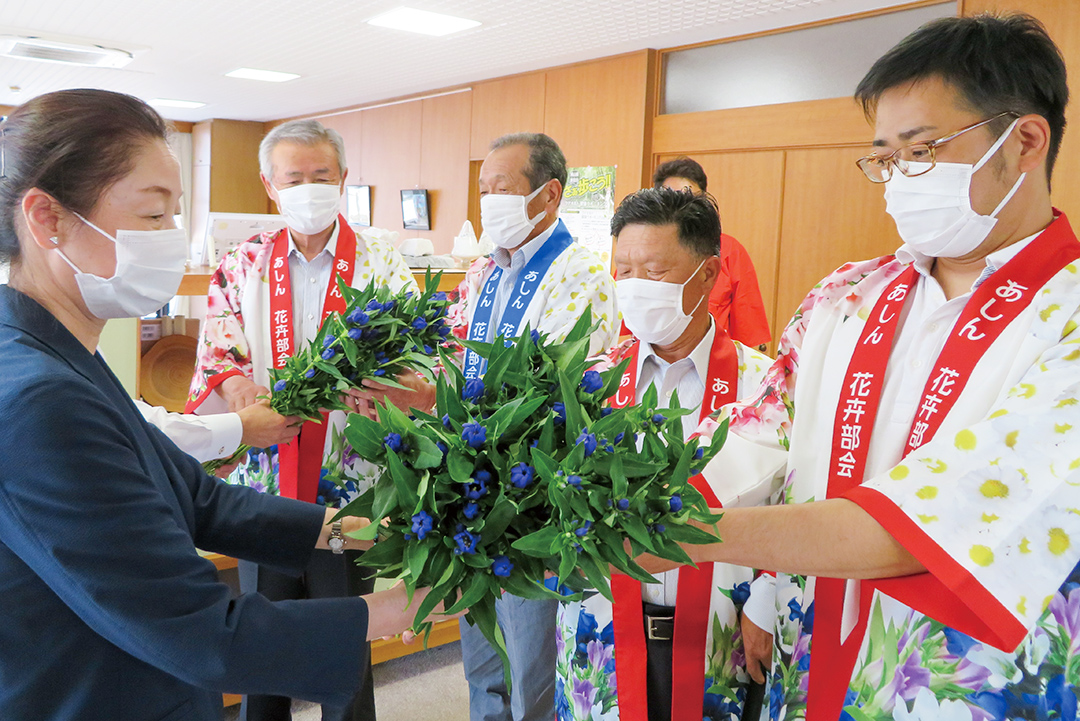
<point>525,474</point>
<point>380,334</point>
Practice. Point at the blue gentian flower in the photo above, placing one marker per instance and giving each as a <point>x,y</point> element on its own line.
<point>560,412</point>
<point>659,528</point>
<point>446,420</point>
<point>358,317</point>
<point>374,306</point>
<point>552,584</point>
<point>439,296</point>
<point>419,324</point>
<point>619,436</point>
<point>699,454</point>
<point>583,529</point>
<point>522,475</point>
<point>658,418</point>
<point>355,333</point>
<point>329,354</point>
<point>591,382</point>
<point>482,476</point>
<point>471,510</point>
<point>473,390</point>
<point>476,490</point>
<point>501,566</point>
<point>623,504</point>
<point>392,441</point>
<point>327,341</point>
<point>466,542</point>
<point>588,440</point>
<point>309,373</point>
<point>474,434</point>
<point>574,481</point>
<point>606,411</point>
<point>388,305</point>
<point>422,523</point>
<point>675,503</point>
<point>535,336</point>
<point>280,386</point>
<point>379,372</point>
<point>428,350</point>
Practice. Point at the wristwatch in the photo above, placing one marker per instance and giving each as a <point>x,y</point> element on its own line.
<point>336,540</point>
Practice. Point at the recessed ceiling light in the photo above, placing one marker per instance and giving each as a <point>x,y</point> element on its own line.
<point>422,21</point>
<point>167,103</point>
<point>269,76</point>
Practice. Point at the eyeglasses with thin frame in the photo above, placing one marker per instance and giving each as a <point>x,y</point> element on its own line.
<point>878,169</point>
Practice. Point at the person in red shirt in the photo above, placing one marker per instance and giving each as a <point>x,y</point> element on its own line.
<point>735,301</point>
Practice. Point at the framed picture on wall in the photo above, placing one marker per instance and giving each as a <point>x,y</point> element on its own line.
<point>414,209</point>
<point>358,204</point>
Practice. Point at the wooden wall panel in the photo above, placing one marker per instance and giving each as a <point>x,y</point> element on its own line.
<point>390,160</point>
<point>597,113</point>
<point>507,105</point>
<point>748,187</point>
<point>831,215</point>
<point>234,167</point>
<point>350,125</point>
<point>834,121</point>
<point>1062,20</point>
<point>444,165</point>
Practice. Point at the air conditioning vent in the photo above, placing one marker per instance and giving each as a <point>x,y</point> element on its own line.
<point>31,48</point>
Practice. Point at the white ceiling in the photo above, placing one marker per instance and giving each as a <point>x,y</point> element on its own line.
<point>189,44</point>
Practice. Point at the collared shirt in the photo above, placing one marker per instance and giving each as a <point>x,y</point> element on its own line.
<point>205,438</point>
<point>511,267</point>
<point>688,376</point>
<point>309,280</point>
<point>928,319</point>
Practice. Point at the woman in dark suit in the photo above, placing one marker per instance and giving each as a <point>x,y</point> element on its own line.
<point>107,611</point>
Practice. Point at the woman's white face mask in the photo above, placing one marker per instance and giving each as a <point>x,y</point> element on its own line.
<point>653,309</point>
<point>149,268</point>
<point>933,211</point>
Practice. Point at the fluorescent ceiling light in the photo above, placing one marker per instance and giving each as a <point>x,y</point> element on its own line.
<point>70,53</point>
<point>422,21</point>
<point>167,103</point>
<point>269,76</point>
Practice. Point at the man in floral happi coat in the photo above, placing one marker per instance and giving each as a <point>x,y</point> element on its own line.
<point>266,300</point>
<point>663,648</point>
<point>538,277</point>
<point>923,415</point>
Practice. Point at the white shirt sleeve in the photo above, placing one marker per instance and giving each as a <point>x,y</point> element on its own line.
<point>760,608</point>
<point>204,437</point>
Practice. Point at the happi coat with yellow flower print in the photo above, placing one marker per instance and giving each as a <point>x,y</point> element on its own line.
<point>238,338</point>
<point>574,280</point>
<point>965,445</point>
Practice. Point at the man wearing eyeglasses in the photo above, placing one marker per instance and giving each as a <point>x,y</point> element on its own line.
<point>923,417</point>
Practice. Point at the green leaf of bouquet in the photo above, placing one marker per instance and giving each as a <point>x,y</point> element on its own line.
<point>686,533</point>
<point>538,543</point>
<point>367,533</point>
<point>638,468</point>
<point>568,560</point>
<point>616,556</point>
<point>499,517</point>
<point>545,464</point>
<point>619,484</point>
<point>416,557</point>
<point>672,551</point>
<point>384,553</point>
<point>386,499</point>
<point>579,502</point>
<point>478,586</point>
<point>596,573</point>
<point>524,411</point>
<point>459,465</point>
<point>428,454</point>
<point>635,528</point>
<point>405,480</point>
<point>365,436</point>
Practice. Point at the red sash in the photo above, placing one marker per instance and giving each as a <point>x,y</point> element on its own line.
<point>695,584</point>
<point>991,307</point>
<point>300,461</point>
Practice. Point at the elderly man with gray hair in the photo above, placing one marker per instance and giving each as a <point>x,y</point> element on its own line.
<point>267,298</point>
<point>539,277</point>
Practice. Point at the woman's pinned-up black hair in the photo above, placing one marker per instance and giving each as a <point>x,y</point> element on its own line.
<point>72,144</point>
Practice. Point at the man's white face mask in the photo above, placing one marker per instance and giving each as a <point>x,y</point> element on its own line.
<point>505,218</point>
<point>653,309</point>
<point>933,211</point>
<point>310,208</point>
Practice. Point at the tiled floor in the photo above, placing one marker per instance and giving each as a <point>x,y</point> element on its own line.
<point>425,686</point>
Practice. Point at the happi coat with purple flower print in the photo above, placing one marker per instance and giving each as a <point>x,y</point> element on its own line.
<point>237,338</point>
<point>990,505</point>
<point>586,686</point>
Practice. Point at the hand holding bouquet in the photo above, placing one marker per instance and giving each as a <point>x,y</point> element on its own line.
<point>525,472</point>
